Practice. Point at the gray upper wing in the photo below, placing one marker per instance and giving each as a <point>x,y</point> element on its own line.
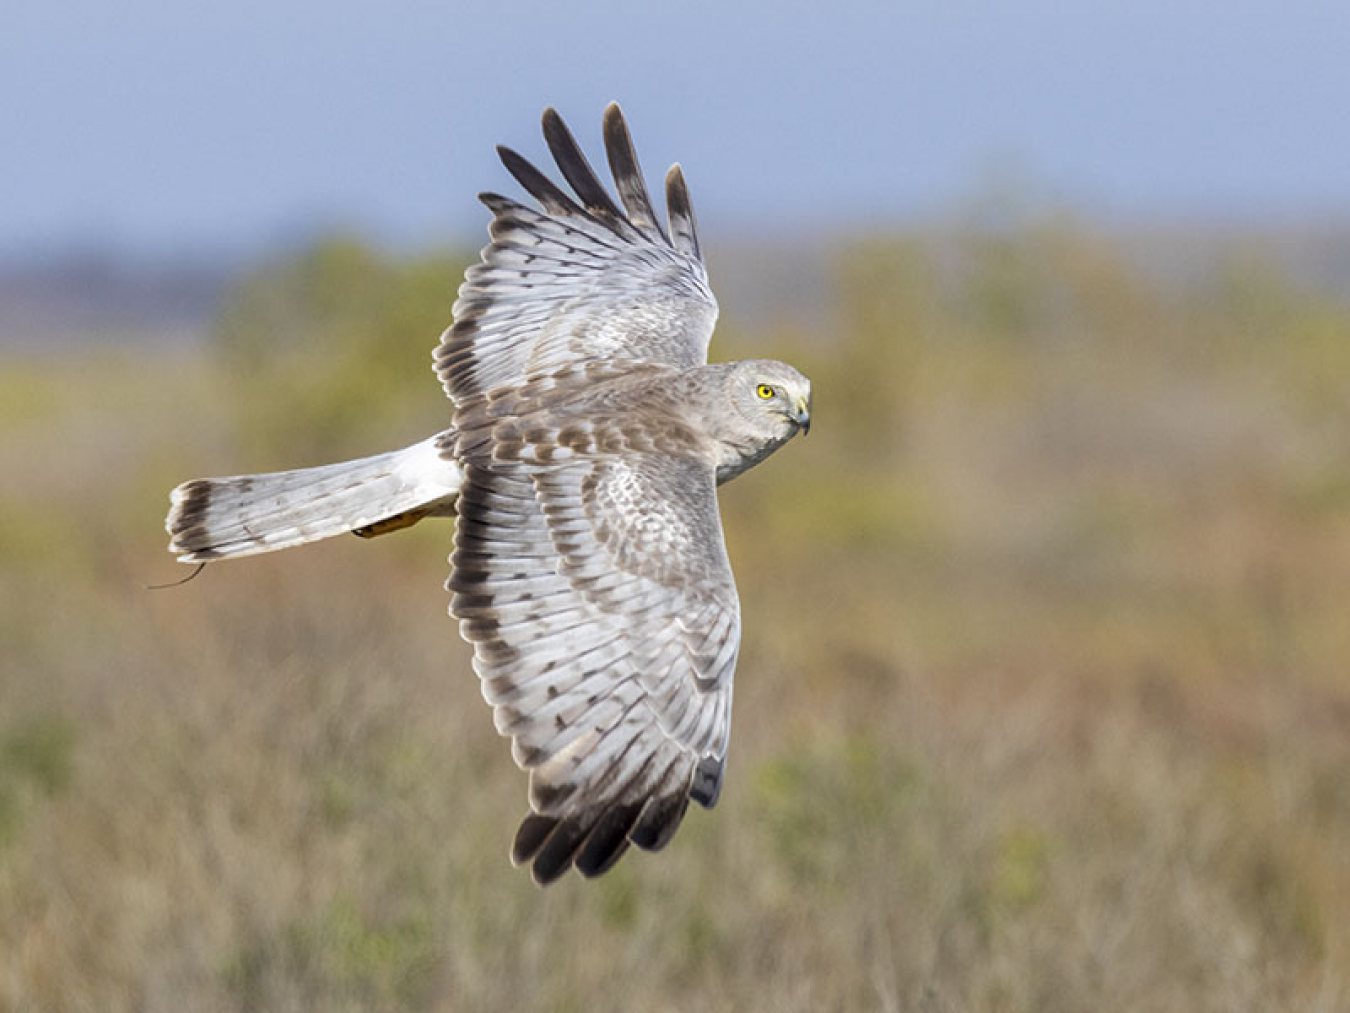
<point>596,590</point>
<point>580,279</point>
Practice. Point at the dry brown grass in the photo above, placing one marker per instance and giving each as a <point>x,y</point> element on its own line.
<point>1042,703</point>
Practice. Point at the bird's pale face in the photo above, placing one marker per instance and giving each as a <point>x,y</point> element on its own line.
<point>775,398</point>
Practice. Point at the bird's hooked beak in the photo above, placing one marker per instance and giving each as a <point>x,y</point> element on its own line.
<point>802,414</point>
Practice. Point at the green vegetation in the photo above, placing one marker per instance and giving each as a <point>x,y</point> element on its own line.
<point>334,345</point>
<point>35,763</point>
<point>1042,703</point>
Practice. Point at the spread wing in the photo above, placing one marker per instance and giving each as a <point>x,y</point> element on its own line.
<point>581,279</point>
<point>600,602</point>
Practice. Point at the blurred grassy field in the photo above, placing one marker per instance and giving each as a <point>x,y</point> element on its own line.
<point>1042,704</point>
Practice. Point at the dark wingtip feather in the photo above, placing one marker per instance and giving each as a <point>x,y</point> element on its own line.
<point>575,169</point>
<point>530,837</point>
<point>493,201</point>
<point>623,165</point>
<point>555,857</point>
<point>543,189</point>
<point>659,820</point>
<point>706,787</point>
<point>683,231</point>
<point>608,840</point>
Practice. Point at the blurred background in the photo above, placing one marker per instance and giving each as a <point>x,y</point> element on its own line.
<point>1042,702</point>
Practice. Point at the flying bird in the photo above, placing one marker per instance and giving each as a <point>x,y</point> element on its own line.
<point>588,436</point>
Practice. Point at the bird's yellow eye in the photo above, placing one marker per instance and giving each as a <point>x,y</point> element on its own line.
<point>764,391</point>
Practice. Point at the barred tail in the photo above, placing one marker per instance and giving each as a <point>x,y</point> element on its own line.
<point>219,518</point>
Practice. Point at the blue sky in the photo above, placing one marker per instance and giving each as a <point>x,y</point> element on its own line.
<point>167,126</point>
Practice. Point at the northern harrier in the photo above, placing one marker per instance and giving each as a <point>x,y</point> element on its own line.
<point>588,438</point>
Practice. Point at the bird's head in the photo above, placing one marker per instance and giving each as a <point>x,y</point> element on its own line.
<point>772,400</point>
<point>757,406</point>
<point>773,397</point>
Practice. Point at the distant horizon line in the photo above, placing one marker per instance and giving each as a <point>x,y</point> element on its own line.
<point>195,252</point>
